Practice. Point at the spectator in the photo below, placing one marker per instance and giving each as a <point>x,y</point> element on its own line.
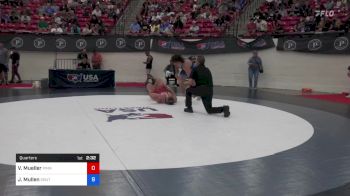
<point>219,21</point>
<point>155,28</point>
<point>300,27</point>
<point>95,29</point>
<point>50,10</point>
<point>194,29</point>
<point>94,19</point>
<point>25,18</point>
<point>145,27</point>
<point>14,17</point>
<point>101,28</point>
<point>255,66</point>
<point>261,25</point>
<point>56,29</point>
<point>338,26</point>
<point>58,19</point>
<point>97,12</point>
<point>309,24</point>
<point>43,25</point>
<point>5,18</point>
<point>84,64</point>
<point>75,29</point>
<point>166,29</point>
<point>86,30</point>
<point>178,23</point>
<point>135,27</point>
<point>96,60</point>
<point>15,57</point>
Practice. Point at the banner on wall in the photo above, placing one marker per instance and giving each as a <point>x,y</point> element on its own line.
<point>210,45</point>
<point>325,44</point>
<point>70,43</point>
<point>81,78</point>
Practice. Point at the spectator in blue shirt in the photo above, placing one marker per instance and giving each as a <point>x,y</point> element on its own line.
<point>50,10</point>
<point>135,27</point>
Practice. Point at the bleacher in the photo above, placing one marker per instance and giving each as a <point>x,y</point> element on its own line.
<point>82,15</point>
<point>300,17</point>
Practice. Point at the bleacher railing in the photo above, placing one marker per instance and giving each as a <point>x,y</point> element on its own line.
<point>66,63</point>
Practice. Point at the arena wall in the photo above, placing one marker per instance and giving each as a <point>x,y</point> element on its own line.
<point>283,70</point>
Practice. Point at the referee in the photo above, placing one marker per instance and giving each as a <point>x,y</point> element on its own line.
<point>202,85</point>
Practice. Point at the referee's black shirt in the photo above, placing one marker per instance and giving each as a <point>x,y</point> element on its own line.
<point>202,76</point>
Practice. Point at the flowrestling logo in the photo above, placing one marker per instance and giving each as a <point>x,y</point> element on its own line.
<point>327,13</point>
<point>84,78</point>
<point>132,113</point>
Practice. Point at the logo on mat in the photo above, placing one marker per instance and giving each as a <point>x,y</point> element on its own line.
<point>39,43</point>
<point>289,45</point>
<point>61,43</point>
<point>314,44</point>
<point>17,42</point>
<point>85,78</point>
<point>132,113</point>
<point>341,43</point>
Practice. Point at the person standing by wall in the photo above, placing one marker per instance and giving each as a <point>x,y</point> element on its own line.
<point>83,54</point>
<point>202,85</point>
<point>4,58</point>
<point>148,62</point>
<point>96,60</point>
<point>84,64</point>
<point>15,57</point>
<point>255,67</point>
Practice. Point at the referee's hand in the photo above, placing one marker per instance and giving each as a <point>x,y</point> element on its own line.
<point>190,82</point>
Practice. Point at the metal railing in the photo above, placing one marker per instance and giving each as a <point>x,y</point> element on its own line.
<point>245,15</point>
<point>66,63</point>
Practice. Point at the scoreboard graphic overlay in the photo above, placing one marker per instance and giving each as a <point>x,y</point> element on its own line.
<point>57,169</point>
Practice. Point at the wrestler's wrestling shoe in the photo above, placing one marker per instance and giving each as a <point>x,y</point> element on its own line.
<point>226,109</point>
<point>188,110</point>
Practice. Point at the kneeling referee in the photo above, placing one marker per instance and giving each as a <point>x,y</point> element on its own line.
<point>202,85</point>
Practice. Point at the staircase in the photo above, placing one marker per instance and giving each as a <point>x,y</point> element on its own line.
<point>240,25</point>
<point>129,16</point>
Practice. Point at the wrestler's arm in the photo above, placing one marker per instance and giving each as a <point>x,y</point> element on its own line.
<point>156,97</point>
<point>173,94</point>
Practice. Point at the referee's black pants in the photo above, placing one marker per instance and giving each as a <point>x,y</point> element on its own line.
<point>206,93</point>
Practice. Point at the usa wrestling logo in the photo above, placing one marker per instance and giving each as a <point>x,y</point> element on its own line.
<point>132,113</point>
<point>75,78</point>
